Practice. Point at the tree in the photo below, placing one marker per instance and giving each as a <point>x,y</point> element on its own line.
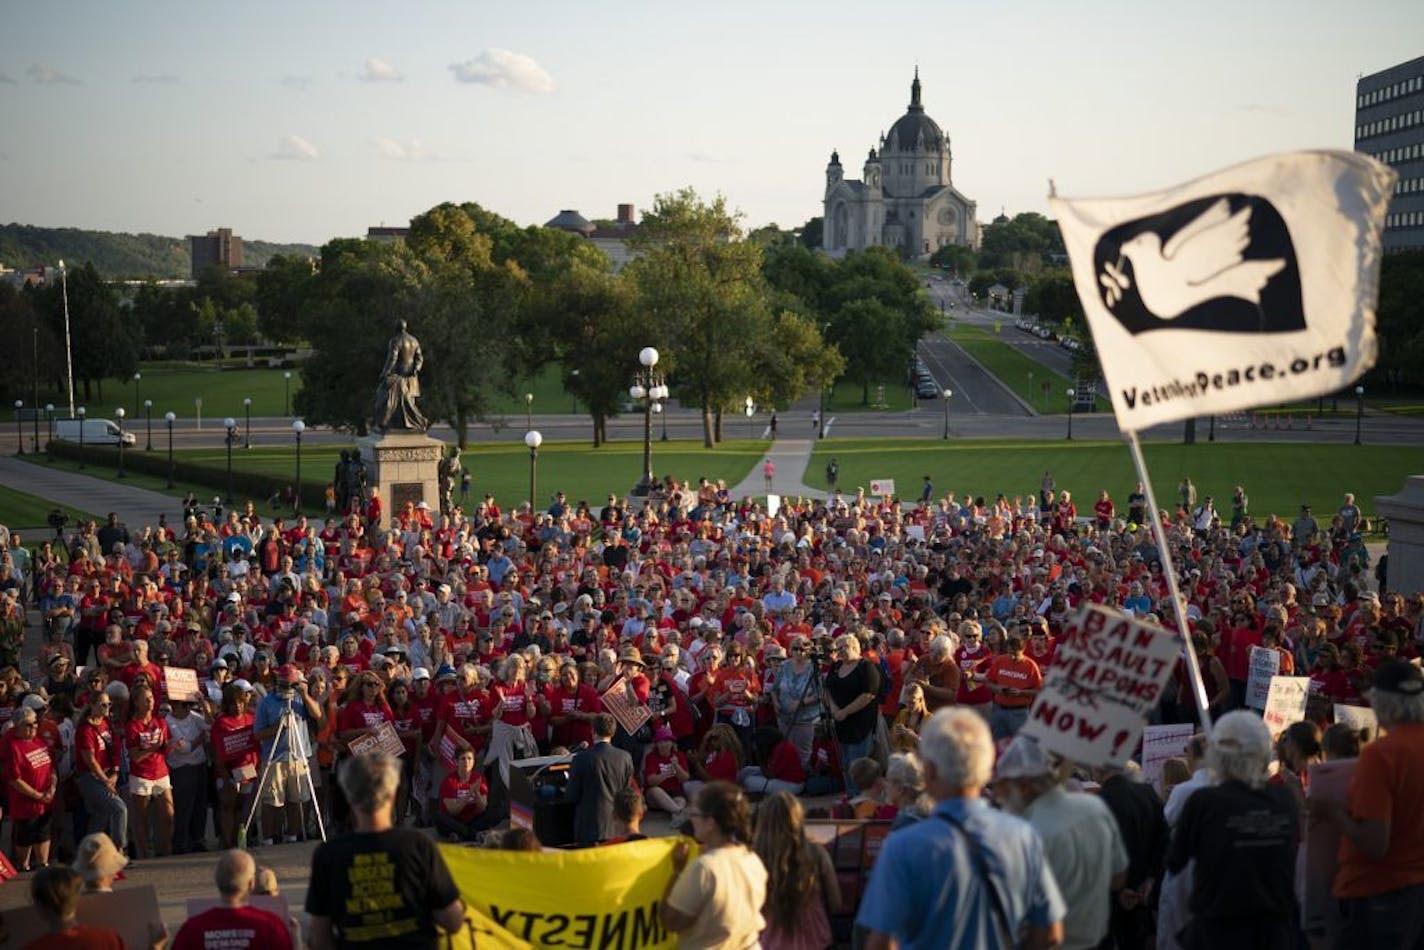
<point>1026,244</point>
<point>1052,296</point>
<point>1400,318</point>
<point>281,288</point>
<point>877,312</point>
<point>812,233</point>
<point>34,355</point>
<point>104,338</point>
<point>597,330</point>
<point>955,257</point>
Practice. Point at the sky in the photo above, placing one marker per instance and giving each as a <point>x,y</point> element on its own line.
<point>306,120</point>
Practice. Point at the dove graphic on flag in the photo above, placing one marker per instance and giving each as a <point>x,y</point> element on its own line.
<point>1248,287</point>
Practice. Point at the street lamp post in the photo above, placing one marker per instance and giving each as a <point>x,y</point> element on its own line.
<point>168,418</point>
<point>1359,411</point>
<point>947,393</point>
<point>19,427</point>
<point>119,414</point>
<point>528,412</point>
<point>148,423</point>
<point>35,362</point>
<point>749,407</point>
<point>138,378</point>
<point>662,407</point>
<point>649,388</point>
<point>1211,428</point>
<point>1071,394</point>
<point>49,429</point>
<point>81,411</point>
<point>247,432</point>
<point>298,427</point>
<point>575,374</point>
<point>230,424</point>
<point>533,439</point>
<point>287,393</point>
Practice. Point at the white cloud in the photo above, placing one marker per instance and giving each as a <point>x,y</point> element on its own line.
<point>297,149</point>
<point>163,79</point>
<point>504,70</point>
<point>50,76</point>
<point>297,82</point>
<point>378,70</point>
<point>414,151</point>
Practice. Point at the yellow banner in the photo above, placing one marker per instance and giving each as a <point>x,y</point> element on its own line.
<point>578,900</point>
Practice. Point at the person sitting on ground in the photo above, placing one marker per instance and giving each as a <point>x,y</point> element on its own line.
<point>867,776</point>
<point>233,924</point>
<point>464,801</point>
<point>55,894</point>
<point>98,862</point>
<point>781,770</point>
<point>519,839</point>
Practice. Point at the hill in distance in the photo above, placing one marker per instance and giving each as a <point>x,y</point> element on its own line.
<point>120,256</point>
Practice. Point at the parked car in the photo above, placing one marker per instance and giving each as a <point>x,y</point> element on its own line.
<point>927,389</point>
<point>94,432</point>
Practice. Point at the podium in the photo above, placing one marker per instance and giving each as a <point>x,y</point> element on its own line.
<point>536,798</point>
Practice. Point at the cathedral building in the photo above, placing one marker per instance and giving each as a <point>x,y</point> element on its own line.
<point>905,198</point>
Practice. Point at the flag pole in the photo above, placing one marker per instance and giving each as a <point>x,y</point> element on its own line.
<point>1170,572</point>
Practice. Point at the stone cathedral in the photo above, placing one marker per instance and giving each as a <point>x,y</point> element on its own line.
<point>905,198</point>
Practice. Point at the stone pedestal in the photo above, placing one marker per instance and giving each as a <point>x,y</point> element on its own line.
<point>1405,511</point>
<point>405,466</point>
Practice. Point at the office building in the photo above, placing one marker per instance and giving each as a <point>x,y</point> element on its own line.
<point>1389,124</point>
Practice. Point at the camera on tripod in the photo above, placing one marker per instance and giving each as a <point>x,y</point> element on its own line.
<point>57,520</point>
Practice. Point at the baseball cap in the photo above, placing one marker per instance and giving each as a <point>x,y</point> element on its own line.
<point>420,673</point>
<point>289,673</point>
<point>662,734</point>
<point>1400,677</point>
<point>219,664</point>
<point>244,685</point>
<point>446,671</point>
<point>1024,758</point>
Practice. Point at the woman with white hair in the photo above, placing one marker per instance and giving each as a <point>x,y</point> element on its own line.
<point>1242,833</point>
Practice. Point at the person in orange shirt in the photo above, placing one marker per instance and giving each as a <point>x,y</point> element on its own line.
<point>1380,879</point>
<point>1014,680</point>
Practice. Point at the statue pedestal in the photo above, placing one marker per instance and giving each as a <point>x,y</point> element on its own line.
<point>1405,511</point>
<point>405,466</point>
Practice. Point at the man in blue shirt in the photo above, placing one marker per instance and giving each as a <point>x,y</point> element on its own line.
<point>968,876</point>
<point>286,788</point>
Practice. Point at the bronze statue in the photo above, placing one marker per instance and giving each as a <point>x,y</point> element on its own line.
<point>395,407</point>
<point>449,473</point>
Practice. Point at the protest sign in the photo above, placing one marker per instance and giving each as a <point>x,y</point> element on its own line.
<point>630,716</point>
<point>1108,671</point>
<point>916,531</point>
<point>606,897</point>
<point>773,504</point>
<point>383,739</point>
<point>1329,781</point>
<point>1254,285</point>
<point>133,912</point>
<point>1285,702</point>
<point>1359,718</point>
<point>182,684</point>
<point>882,487</point>
<point>1160,743</point>
<point>1265,663</point>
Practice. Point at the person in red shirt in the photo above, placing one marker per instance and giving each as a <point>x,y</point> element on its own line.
<point>464,719</point>
<point>360,717</point>
<point>150,787</point>
<point>664,771</point>
<point>464,801</point>
<point>574,705</point>
<point>55,894</point>
<point>1014,680</point>
<point>781,769</point>
<point>233,925</point>
<point>96,771</point>
<point>235,756</point>
<point>718,760</point>
<point>973,658</point>
<point>31,780</point>
<point>1103,510</point>
<point>1041,647</point>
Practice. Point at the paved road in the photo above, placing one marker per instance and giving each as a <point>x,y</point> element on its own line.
<point>976,390</point>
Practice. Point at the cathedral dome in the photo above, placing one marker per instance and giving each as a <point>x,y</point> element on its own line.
<point>569,220</point>
<point>914,129</point>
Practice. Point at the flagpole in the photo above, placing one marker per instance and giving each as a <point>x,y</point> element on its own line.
<point>1160,536</point>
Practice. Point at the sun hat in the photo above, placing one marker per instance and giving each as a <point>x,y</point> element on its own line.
<point>97,857</point>
<point>1024,758</point>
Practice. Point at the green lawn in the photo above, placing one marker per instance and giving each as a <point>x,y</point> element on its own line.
<point>1023,374</point>
<point>1278,478</point>
<point>846,396</point>
<point>175,386</point>
<point>22,511</point>
<point>501,468</point>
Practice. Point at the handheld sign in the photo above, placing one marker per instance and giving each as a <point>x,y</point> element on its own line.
<point>629,715</point>
<point>182,684</point>
<point>882,487</point>
<point>384,740</point>
<point>1160,743</point>
<point>1108,672</point>
<point>1265,663</point>
<point>1285,702</point>
<point>1358,718</point>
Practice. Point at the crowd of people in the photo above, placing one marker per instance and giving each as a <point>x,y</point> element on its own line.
<point>813,652</point>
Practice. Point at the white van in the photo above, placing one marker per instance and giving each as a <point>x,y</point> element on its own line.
<point>94,432</point>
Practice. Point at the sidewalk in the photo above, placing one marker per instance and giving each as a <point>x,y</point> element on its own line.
<point>789,454</point>
<point>136,507</point>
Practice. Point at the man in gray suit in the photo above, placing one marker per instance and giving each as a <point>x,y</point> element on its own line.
<point>597,775</point>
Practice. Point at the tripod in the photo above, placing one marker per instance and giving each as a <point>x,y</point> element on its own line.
<point>297,744</point>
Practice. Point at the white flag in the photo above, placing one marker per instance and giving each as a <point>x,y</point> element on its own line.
<point>1249,287</point>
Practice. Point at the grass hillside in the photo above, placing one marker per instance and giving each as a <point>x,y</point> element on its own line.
<point>114,255</point>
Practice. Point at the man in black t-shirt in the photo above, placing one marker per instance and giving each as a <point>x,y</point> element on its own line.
<point>380,885</point>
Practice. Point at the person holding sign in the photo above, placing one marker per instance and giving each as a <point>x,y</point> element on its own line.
<point>1380,881</point>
